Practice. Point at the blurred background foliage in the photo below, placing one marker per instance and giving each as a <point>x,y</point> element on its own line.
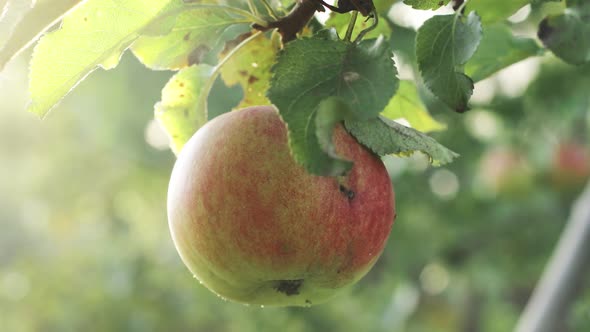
<point>84,242</point>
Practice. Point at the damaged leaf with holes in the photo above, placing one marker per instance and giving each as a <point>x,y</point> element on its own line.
<point>183,107</point>
<point>65,56</point>
<point>249,68</point>
<point>196,30</point>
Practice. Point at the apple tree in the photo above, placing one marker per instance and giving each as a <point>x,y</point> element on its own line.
<point>325,65</point>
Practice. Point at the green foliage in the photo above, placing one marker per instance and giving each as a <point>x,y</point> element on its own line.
<point>443,44</point>
<point>312,69</point>
<point>94,35</point>
<point>406,104</point>
<point>176,35</point>
<point>340,23</point>
<point>498,49</point>
<point>426,4</point>
<point>386,137</point>
<point>86,193</point>
<point>568,35</point>
<point>331,112</point>
<point>28,23</point>
<point>492,11</point>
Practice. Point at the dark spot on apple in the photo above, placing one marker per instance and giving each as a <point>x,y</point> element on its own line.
<point>307,301</point>
<point>288,287</point>
<point>181,84</point>
<point>347,192</point>
<point>252,79</point>
<point>187,36</point>
<point>243,72</point>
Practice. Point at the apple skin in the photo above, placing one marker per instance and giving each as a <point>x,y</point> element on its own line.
<point>570,166</point>
<point>254,227</point>
<point>504,171</point>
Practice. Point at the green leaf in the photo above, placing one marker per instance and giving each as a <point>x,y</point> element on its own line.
<point>94,34</point>
<point>492,11</point>
<point>197,29</point>
<point>340,23</point>
<point>426,4</point>
<point>182,110</point>
<point>310,70</point>
<point>250,68</point>
<point>559,96</point>
<point>498,49</point>
<point>383,6</point>
<point>568,35</point>
<point>385,137</point>
<point>29,27</point>
<point>443,44</point>
<point>536,2</point>
<point>331,112</point>
<point>406,104</point>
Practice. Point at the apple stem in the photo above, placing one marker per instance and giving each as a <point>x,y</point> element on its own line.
<point>294,22</point>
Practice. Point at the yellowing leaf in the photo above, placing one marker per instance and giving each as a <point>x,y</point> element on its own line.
<point>250,68</point>
<point>406,104</point>
<point>196,30</point>
<point>182,110</point>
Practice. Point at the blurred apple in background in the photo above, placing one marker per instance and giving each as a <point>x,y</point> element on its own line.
<point>504,171</point>
<point>570,167</point>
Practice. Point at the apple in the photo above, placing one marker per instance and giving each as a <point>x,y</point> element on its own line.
<point>570,165</point>
<point>505,171</point>
<point>254,227</point>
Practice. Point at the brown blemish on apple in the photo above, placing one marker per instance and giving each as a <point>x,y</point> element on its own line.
<point>288,287</point>
<point>346,191</point>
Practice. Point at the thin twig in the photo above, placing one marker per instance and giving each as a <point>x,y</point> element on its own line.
<point>351,24</point>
